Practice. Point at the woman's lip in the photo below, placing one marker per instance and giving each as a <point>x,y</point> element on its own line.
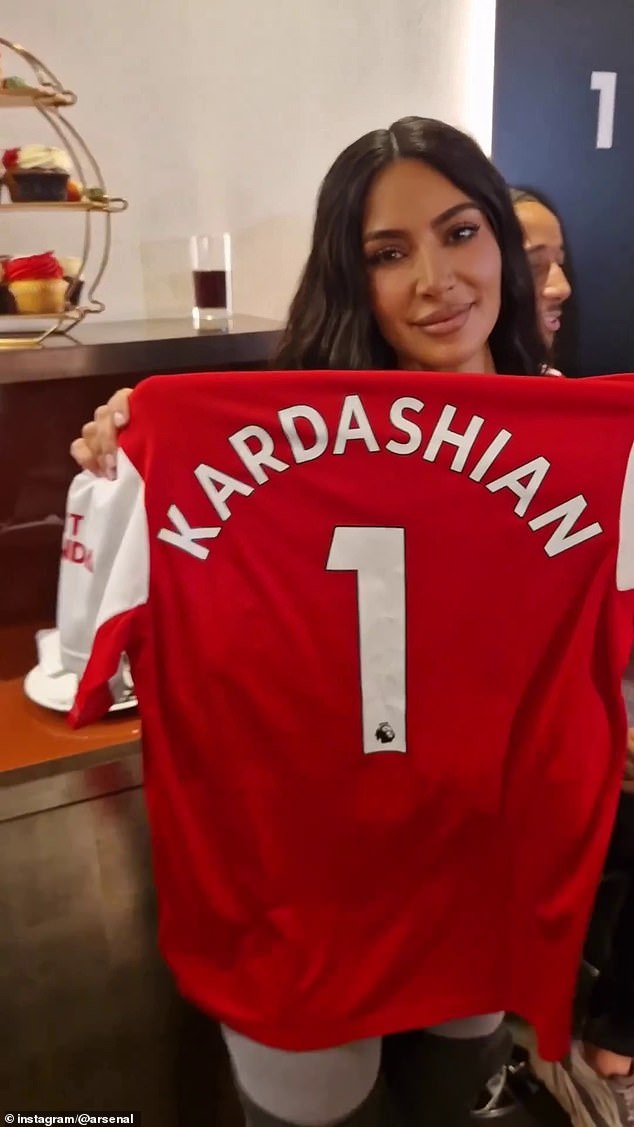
<point>552,322</point>
<point>448,324</point>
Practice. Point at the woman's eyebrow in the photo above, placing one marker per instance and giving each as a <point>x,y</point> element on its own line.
<point>397,233</point>
<point>451,212</point>
<point>384,233</point>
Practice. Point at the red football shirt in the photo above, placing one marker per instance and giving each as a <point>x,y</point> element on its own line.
<point>377,624</point>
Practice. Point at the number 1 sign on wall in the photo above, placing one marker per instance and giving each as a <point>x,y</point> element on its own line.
<point>605,82</point>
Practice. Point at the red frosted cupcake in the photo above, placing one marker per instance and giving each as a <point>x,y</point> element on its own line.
<point>36,283</point>
<point>36,174</point>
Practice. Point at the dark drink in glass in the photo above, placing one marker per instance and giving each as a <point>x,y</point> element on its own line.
<point>211,268</point>
<point>210,289</point>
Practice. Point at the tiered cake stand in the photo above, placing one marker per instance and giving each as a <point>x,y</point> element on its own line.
<point>49,98</point>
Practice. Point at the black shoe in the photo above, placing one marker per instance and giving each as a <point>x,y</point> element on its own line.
<point>497,1099</point>
<point>516,1095</point>
<point>435,1080</point>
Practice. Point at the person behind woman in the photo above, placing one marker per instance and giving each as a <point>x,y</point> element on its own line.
<point>417,263</point>
<point>544,245</point>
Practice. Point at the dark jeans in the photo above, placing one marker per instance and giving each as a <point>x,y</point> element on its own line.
<point>610,1022</point>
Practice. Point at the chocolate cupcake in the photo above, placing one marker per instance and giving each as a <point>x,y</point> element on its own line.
<point>36,174</point>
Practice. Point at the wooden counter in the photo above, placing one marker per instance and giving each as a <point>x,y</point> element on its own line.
<point>35,742</point>
<point>38,744</point>
<point>98,348</point>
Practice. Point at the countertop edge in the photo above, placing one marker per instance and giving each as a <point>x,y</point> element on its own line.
<point>140,357</point>
<point>14,779</point>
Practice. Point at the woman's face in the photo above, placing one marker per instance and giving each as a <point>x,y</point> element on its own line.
<point>544,245</point>
<point>434,269</point>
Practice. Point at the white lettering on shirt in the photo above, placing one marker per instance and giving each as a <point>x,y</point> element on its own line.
<point>353,412</point>
<point>183,536</point>
<point>408,426</point>
<point>254,460</point>
<point>288,419</point>
<point>462,440</point>
<point>563,537</point>
<point>210,478</point>
<point>535,471</point>
<point>307,437</point>
<point>490,454</point>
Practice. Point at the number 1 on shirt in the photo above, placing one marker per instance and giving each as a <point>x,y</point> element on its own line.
<point>377,555</point>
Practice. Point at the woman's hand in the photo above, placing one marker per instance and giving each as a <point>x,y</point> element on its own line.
<point>96,450</point>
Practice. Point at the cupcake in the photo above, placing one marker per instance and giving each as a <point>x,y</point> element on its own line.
<point>71,271</point>
<point>36,283</point>
<point>36,174</point>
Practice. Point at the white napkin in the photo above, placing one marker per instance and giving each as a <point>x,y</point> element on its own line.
<point>49,652</point>
<point>55,687</point>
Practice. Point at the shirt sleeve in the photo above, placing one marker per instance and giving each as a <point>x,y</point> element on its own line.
<point>103,583</point>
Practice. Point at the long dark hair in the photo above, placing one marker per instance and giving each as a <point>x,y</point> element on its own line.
<point>330,323</point>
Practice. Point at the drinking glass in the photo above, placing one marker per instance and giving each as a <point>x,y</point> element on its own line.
<point>211,268</point>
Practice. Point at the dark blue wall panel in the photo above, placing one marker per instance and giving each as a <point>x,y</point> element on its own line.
<point>545,136</point>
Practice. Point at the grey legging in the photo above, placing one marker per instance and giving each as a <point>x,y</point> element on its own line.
<point>318,1088</point>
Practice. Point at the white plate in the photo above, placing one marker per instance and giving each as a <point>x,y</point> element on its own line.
<point>58,693</point>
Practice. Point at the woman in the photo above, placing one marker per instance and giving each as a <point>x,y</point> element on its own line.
<point>417,263</point>
<point>544,245</point>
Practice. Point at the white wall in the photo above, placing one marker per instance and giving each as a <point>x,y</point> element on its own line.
<point>225,115</point>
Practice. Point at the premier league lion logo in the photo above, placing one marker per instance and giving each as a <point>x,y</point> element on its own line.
<point>385,733</point>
